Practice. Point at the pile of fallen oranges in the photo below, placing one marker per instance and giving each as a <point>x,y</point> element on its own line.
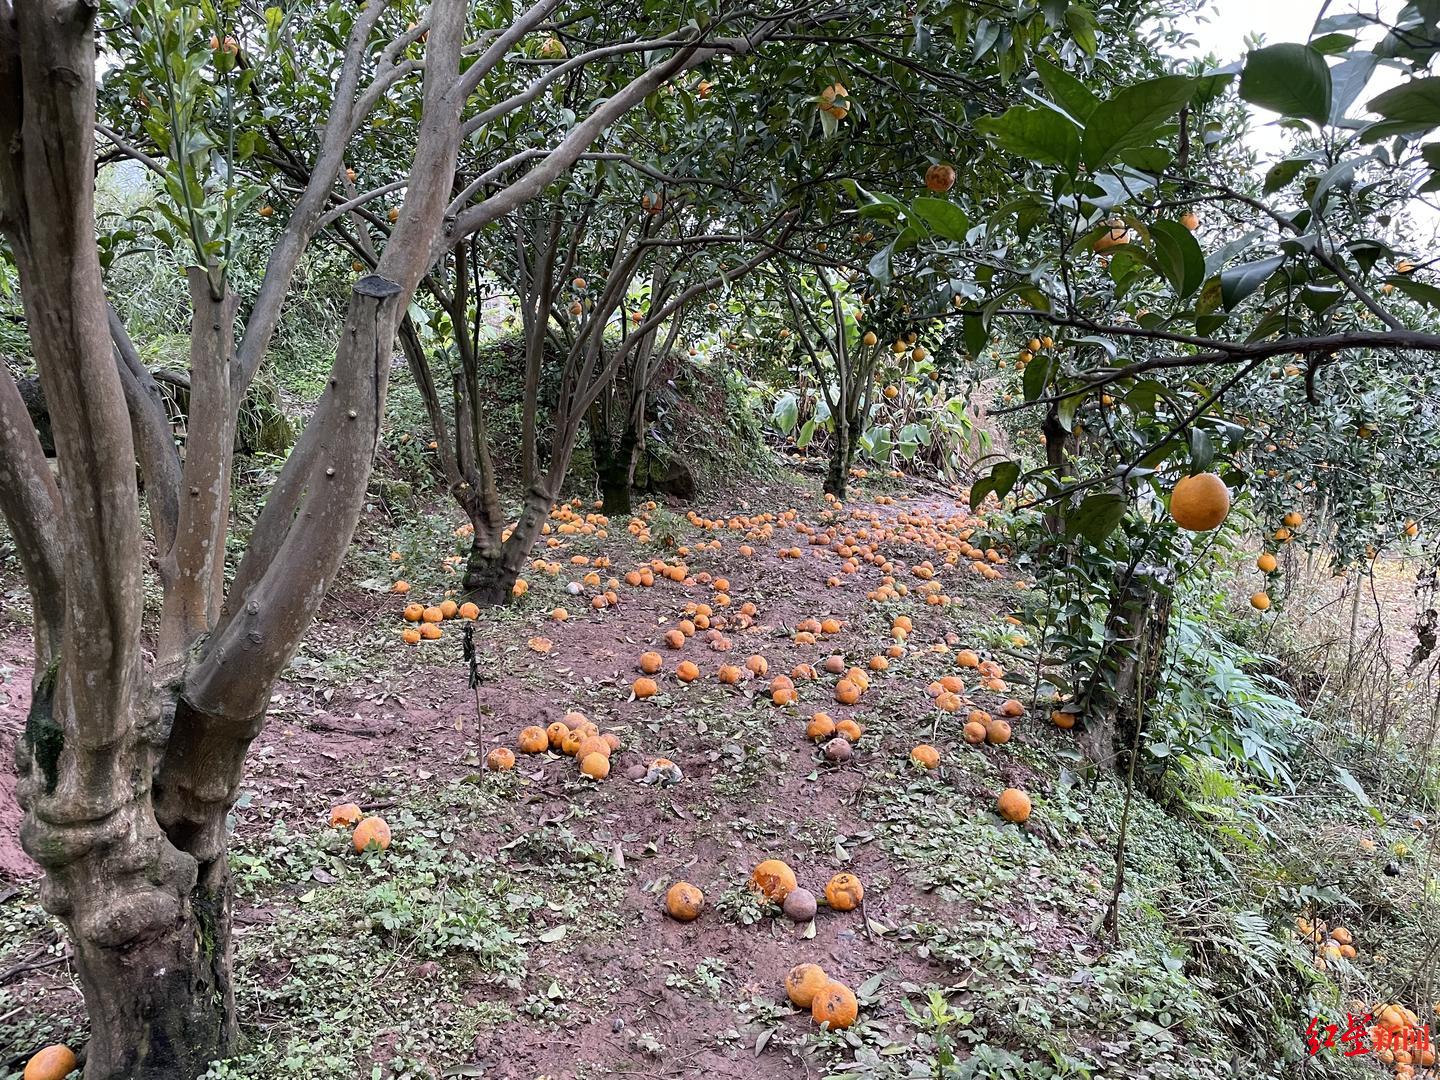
<point>425,619</point>
<point>575,736</point>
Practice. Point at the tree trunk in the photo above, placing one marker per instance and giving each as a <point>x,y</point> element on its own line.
<point>614,467</point>
<point>150,923</point>
<point>837,476</point>
<point>493,567</point>
<point>1058,446</point>
<point>163,1006</point>
<point>1136,633</point>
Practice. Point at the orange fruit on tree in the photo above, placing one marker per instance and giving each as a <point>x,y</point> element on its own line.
<point>684,902</point>
<point>1266,563</point>
<point>803,982</point>
<point>371,830</point>
<point>1116,234</point>
<point>1260,601</point>
<point>1199,503</point>
<point>595,765</point>
<point>500,759</point>
<point>926,756</point>
<point>1294,519</point>
<point>345,814</point>
<point>1013,805</point>
<point>843,892</point>
<point>835,1005</point>
<point>774,879</point>
<point>533,740</point>
<point>644,687</point>
<point>54,1062</point>
<point>940,178</point>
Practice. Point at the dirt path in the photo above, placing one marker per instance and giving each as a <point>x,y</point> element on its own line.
<point>638,993</point>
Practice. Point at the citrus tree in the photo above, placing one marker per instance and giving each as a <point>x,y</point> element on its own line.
<point>129,763</point>
<point>1173,332</point>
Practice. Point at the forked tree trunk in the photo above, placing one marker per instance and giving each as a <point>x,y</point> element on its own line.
<point>494,565</point>
<point>150,924</point>
<point>128,764</point>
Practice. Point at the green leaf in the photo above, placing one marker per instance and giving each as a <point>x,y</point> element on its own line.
<point>943,217</point>
<point>1000,480</point>
<point>1037,374</point>
<point>1290,79</point>
<point>1150,159</point>
<point>1202,450</point>
<point>1132,115</point>
<point>1350,784</point>
<point>879,266</point>
<point>1238,282</point>
<point>1080,21</point>
<point>1004,475</point>
<point>1069,93</point>
<point>1282,172</point>
<point>1038,134</point>
<point>1347,80</point>
<point>1179,256</point>
<point>1428,295</point>
<point>1097,517</point>
<point>1415,102</point>
<point>785,412</point>
<point>976,336</point>
<point>807,432</point>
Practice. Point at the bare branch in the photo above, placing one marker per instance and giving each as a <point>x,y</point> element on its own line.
<point>30,502</point>
<point>154,439</point>
<point>564,155</point>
